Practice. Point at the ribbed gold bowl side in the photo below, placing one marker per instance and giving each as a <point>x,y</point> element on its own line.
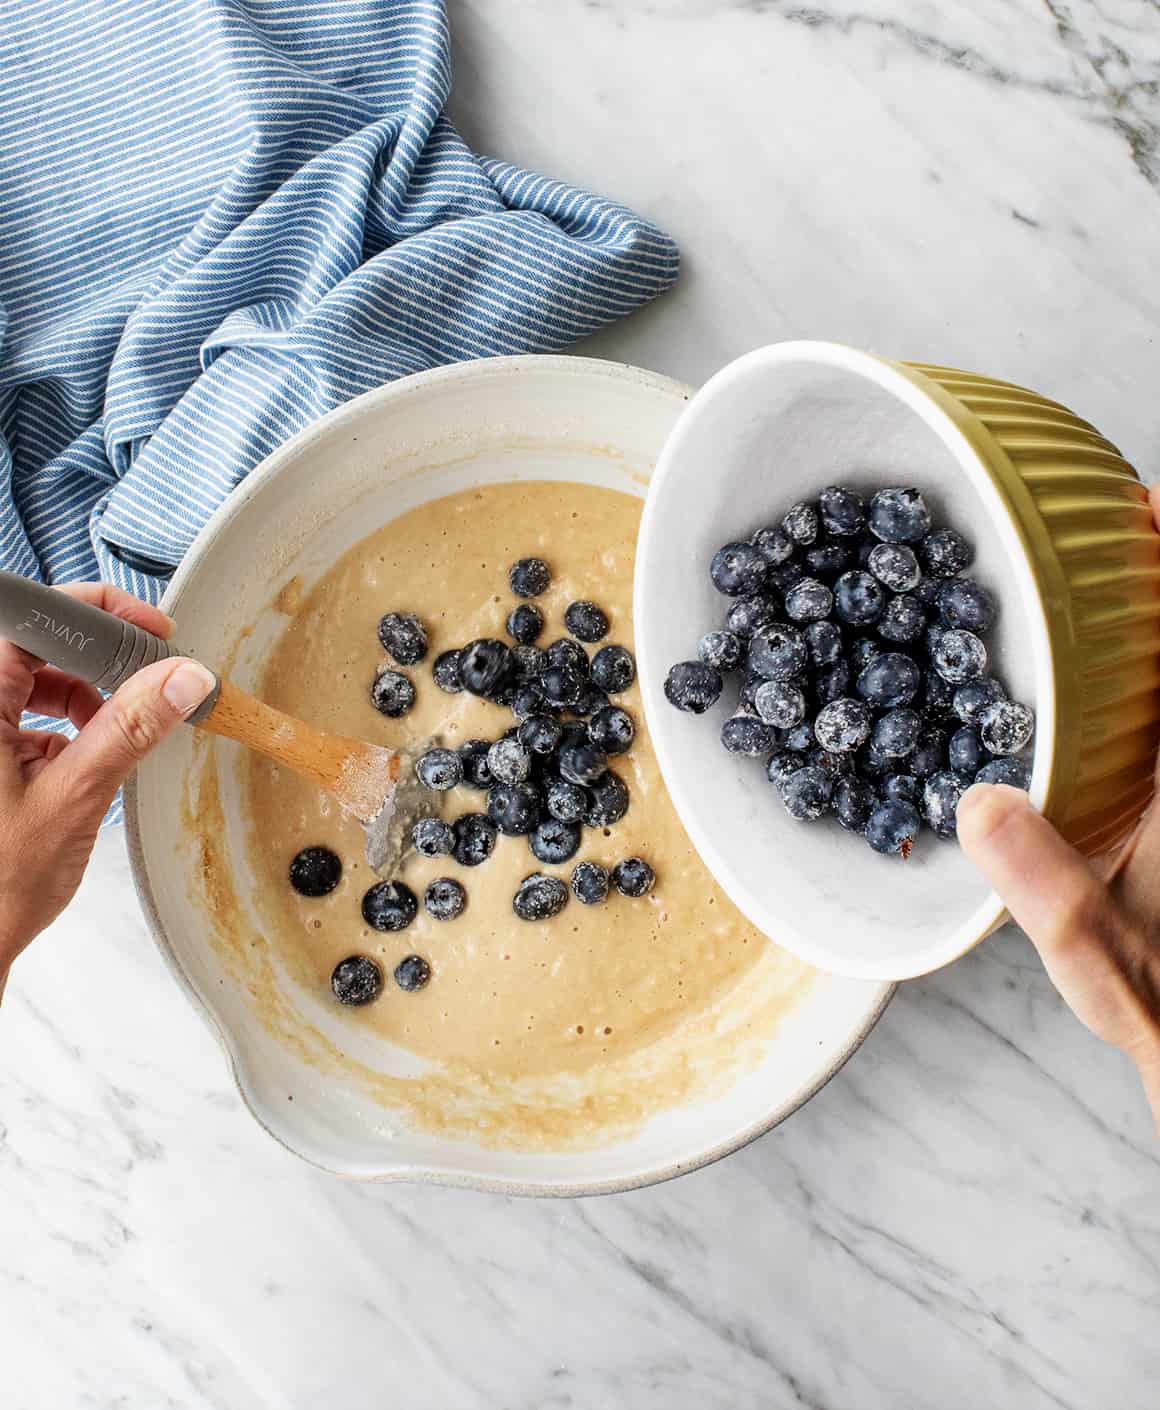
<point>1084,516</point>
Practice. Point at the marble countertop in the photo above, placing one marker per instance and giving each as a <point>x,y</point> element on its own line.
<point>969,1214</point>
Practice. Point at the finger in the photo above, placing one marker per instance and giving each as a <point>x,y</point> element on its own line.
<point>1154,496</point>
<point>17,676</point>
<point>36,748</point>
<point>63,697</point>
<point>121,604</point>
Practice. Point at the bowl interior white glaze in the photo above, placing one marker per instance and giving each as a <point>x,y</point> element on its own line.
<point>376,458</point>
<point>772,428</point>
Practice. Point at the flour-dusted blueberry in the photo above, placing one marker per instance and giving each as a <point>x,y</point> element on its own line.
<point>854,801</point>
<point>891,679</point>
<point>606,800</point>
<point>783,764</point>
<point>863,548</point>
<point>936,698</point>
<point>590,883</point>
<point>895,566</point>
<point>566,801</point>
<point>966,605</point>
<point>842,726</point>
<point>509,761</point>
<point>801,523</point>
<point>403,637</point>
<point>823,642</point>
<point>554,842</point>
<point>445,672</point>
<point>929,755</point>
<point>1014,772</point>
<point>862,651</point>
<point>473,756</point>
<point>903,620</point>
<point>774,545</point>
<point>573,733</point>
<point>832,683</point>
<point>561,686</point>
<point>389,905</point>
<point>836,765</point>
<point>586,621</point>
<point>356,980</point>
<point>859,599</point>
<point>591,700</point>
<point>514,807</point>
<point>444,898</point>
<point>827,561</point>
<point>926,591</point>
<point>540,897</point>
<point>747,735</point>
<point>528,700</point>
<point>612,730</point>
<point>613,669</point>
<point>581,763</point>
<point>843,511</point>
<point>392,694</point>
<point>781,704</point>
<point>903,788</point>
<point>945,553</point>
<point>807,792</point>
<point>872,765</point>
<point>972,699</point>
<point>896,732</point>
<point>633,877</point>
<point>539,734</point>
<point>439,769</point>
<point>747,694</point>
<point>412,973</point>
<point>892,828</point>
<point>940,799</point>
<point>1005,727</point>
<point>899,515</point>
<point>315,871</point>
<point>525,623</point>
<point>529,577</point>
<point>965,752</point>
<point>432,837</point>
<point>780,580</point>
<point>721,650</point>
<point>932,636</point>
<point>475,837</point>
<point>749,615</point>
<point>808,601</point>
<point>800,739</point>
<point>566,652</point>
<point>959,657</point>
<point>528,661</point>
<point>738,569</point>
<point>777,653</point>
<point>484,665</point>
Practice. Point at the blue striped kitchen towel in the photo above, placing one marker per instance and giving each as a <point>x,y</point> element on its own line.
<point>221,218</point>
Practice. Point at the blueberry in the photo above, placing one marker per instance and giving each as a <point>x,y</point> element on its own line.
<point>633,877</point>
<point>539,734</point>
<point>528,701</point>
<point>800,738</point>
<point>607,801</point>
<point>862,652</point>
<point>926,591</point>
<point>514,807</point>
<point>721,650</point>
<point>903,620</point>
<point>693,686</point>
<point>561,686</point>
<point>959,656</point>
<point>945,553</point>
<point>554,842</point>
<point>964,604</point>
<point>613,669</point>
<point>1010,771</point>
<point>566,801</point>
<point>777,653</point>
<point>574,732</point>
<point>432,837</point>
<point>870,764</point>
<point>783,578</point>
<point>808,601</point>
<point>413,972</point>
<point>525,623</point>
<point>892,828</point>
<point>890,679</point>
<point>930,754</point>
<point>781,765</point>
<point>896,733</point>
<point>1005,727</point>
<point>612,730</point>
<point>780,703</point>
<point>972,699</point>
<point>940,799</point>
<point>475,837</point>
<point>899,516</point>
<point>895,566</point>
<point>585,621</point>
<point>937,697</point>
<point>827,561</point>
<point>806,793</point>
<point>505,693</point>
<point>540,897</point>
<point>591,700</point>
<point>749,615</point>
<point>389,905</point>
<point>356,980</point>
<point>842,725</point>
<point>965,752</point>
<point>747,735</point>
<point>859,599</point>
<point>843,511</point>
<point>483,665</point>
<point>566,652</point>
<point>445,672</point>
<point>473,756</point>
<point>854,801</point>
<point>581,763</point>
<point>392,694</point>
<point>403,637</point>
<point>509,761</point>
<point>866,545</point>
<point>824,642</point>
<point>444,899</point>
<point>529,661</point>
<point>529,577</point>
<point>590,883</point>
<point>832,684</point>
<point>315,871</point>
<point>774,545</point>
<point>903,788</point>
<point>439,769</point>
<point>801,523</point>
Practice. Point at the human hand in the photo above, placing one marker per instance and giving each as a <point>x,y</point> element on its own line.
<point>54,792</point>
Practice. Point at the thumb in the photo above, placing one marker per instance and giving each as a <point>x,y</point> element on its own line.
<point>126,727</point>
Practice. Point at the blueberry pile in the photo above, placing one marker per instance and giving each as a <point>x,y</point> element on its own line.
<point>858,647</point>
<point>546,777</point>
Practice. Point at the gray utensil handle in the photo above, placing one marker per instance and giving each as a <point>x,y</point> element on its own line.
<point>79,638</point>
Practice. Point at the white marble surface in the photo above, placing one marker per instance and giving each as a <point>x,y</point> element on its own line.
<point>969,1215</point>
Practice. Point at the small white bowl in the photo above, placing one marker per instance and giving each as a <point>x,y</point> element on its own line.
<point>771,428</point>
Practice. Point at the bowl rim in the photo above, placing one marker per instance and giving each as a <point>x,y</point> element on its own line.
<point>390,393</point>
<point>913,391</point>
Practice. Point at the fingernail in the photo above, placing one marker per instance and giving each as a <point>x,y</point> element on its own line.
<point>188,686</point>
